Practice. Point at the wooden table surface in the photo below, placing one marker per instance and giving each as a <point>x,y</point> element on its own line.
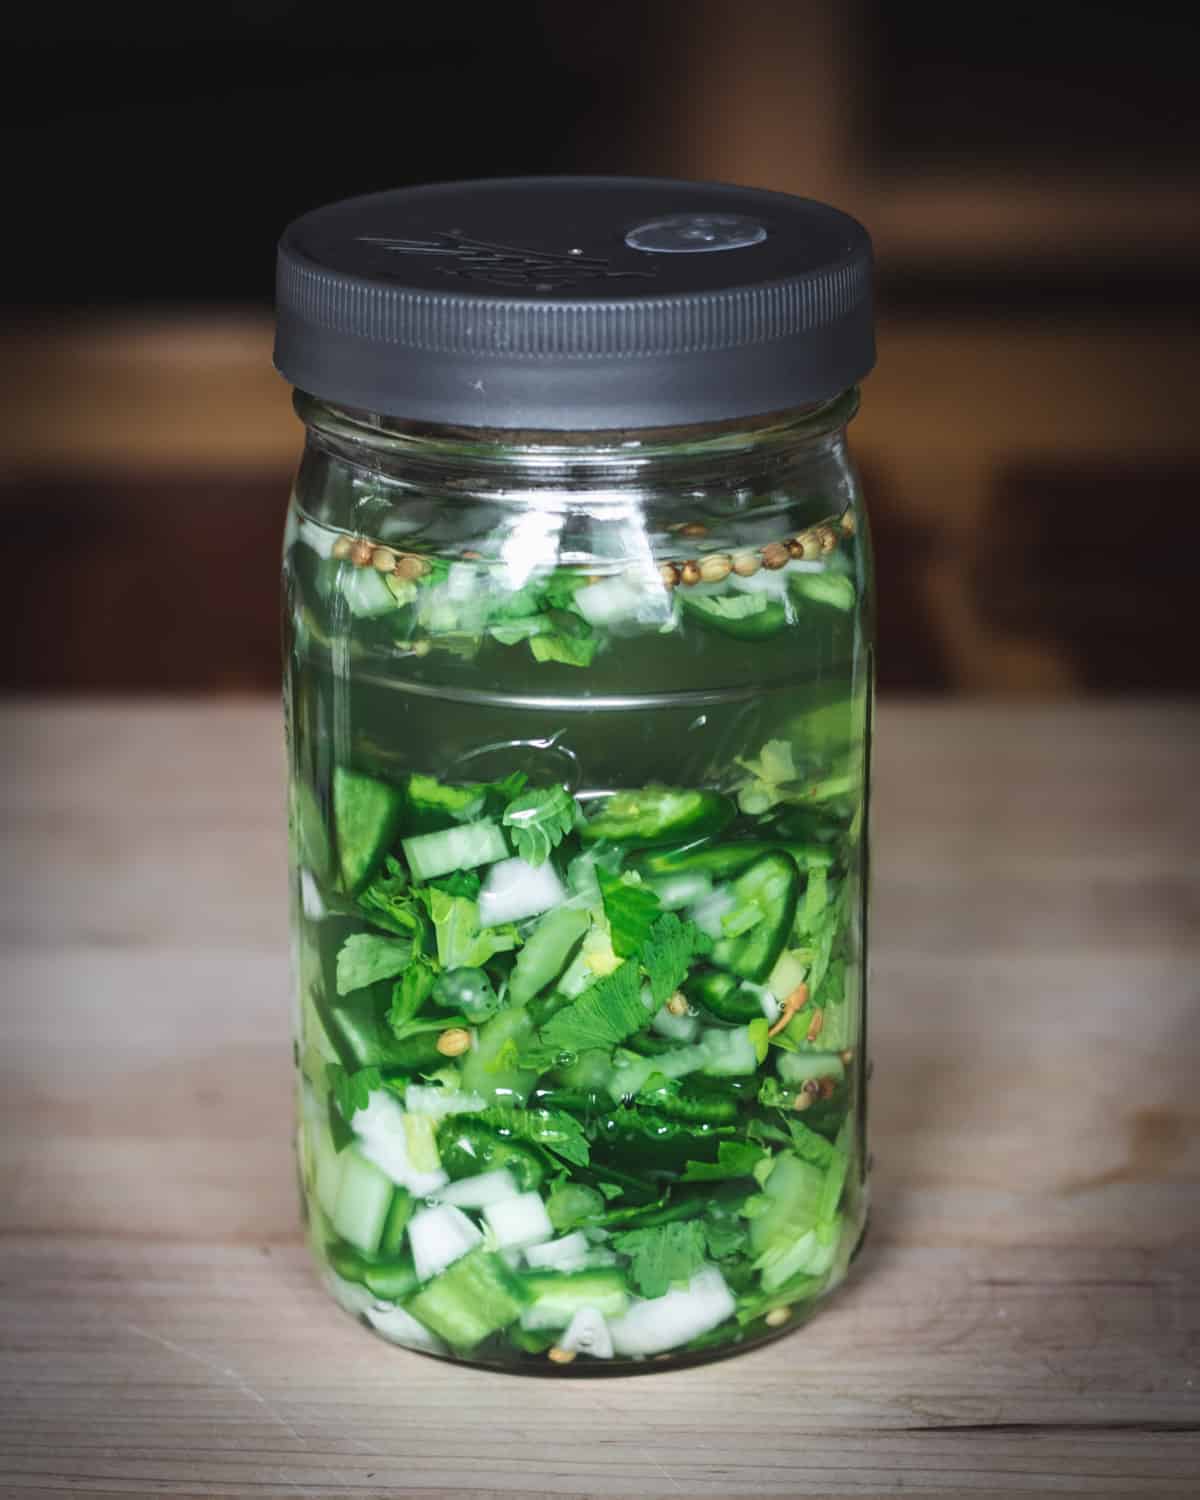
<point>1025,1320</point>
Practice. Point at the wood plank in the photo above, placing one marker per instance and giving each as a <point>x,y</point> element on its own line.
<point>1025,1319</point>
<point>934,1370</point>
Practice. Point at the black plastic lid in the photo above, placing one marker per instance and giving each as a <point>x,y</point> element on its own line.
<point>574,303</point>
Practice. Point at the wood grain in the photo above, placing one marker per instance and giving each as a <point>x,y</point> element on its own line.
<point>1026,1319</point>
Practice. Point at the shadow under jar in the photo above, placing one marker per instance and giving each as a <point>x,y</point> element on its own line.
<point>578,691</point>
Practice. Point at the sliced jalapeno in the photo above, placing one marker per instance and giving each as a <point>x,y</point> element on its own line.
<point>652,815</point>
<point>764,906</point>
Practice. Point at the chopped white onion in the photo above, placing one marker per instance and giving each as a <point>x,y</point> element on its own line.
<point>439,1236</point>
<point>568,1254</point>
<point>480,1190</point>
<point>383,1139</point>
<point>678,1317</point>
<point>676,1028</point>
<point>517,1223</point>
<point>707,912</point>
<point>587,1333</point>
<point>515,890</point>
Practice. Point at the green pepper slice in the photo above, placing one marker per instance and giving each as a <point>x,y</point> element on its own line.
<point>721,995</point>
<point>644,817</point>
<point>766,892</point>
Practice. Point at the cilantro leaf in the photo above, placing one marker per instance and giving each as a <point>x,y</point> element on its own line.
<point>605,1014</point>
<point>734,1159</point>
<point>459,883</point>
<point>631,908</point>
<point>554,1129</point>
<point>571,640</point>
<point>725,1235</point>
<point>387,903</point>
<point>462,941</point>
<point>365,958</point>
<point>409,993</point>
<point>510,632</point>
<point>560,588</point>
<point>352,1091</point>
<point>540,820</point>
<point>663,1255</point>
<point>668,953</point>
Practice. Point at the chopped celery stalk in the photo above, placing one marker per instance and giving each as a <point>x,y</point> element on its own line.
<point>326,1167</point>
<point>430,855</point>
<point>798,1067</point>
<point>546,951</point>
<point>789,971</point>
<point>519,1222</point>
<point>834,589</point>
<point>386,1136</point>
<point>794,1193</point>
<point>587,1333</point>
<point>515,890</point>
<point>439,1236</point>
<point>363,1200</point>
<point>816,894</point>
<point>481,1190</point>
<point>567,1254</point>
<point>401,1327</point>
<point>681,1315</point>
<point>554,1297</point>
<point>474,1297</point>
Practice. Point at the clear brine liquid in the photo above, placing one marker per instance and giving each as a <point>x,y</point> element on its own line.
<point>775,725</point>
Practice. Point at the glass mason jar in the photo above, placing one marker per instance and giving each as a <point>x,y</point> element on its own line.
<point>578,715</point>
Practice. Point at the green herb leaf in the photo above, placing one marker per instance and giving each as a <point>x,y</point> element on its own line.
<point>459,883</point>
<point>510,632</point>
<point>725,1235</point>
<point>734,1159</point>
<point>560,588</point>
<point>540,820</point>
<point>351,1090</point>
<point>554,1129</point>
<point>664,1255</point>
<point>571,640</point>
<point>668,952</point>
<point>365,958</point>
<point>388,903</point>
<point>631,908</point>
<point>409,993</point>
<point>605,1014</point>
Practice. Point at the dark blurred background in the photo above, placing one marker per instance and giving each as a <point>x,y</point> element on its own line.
<point>1030,174</point>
